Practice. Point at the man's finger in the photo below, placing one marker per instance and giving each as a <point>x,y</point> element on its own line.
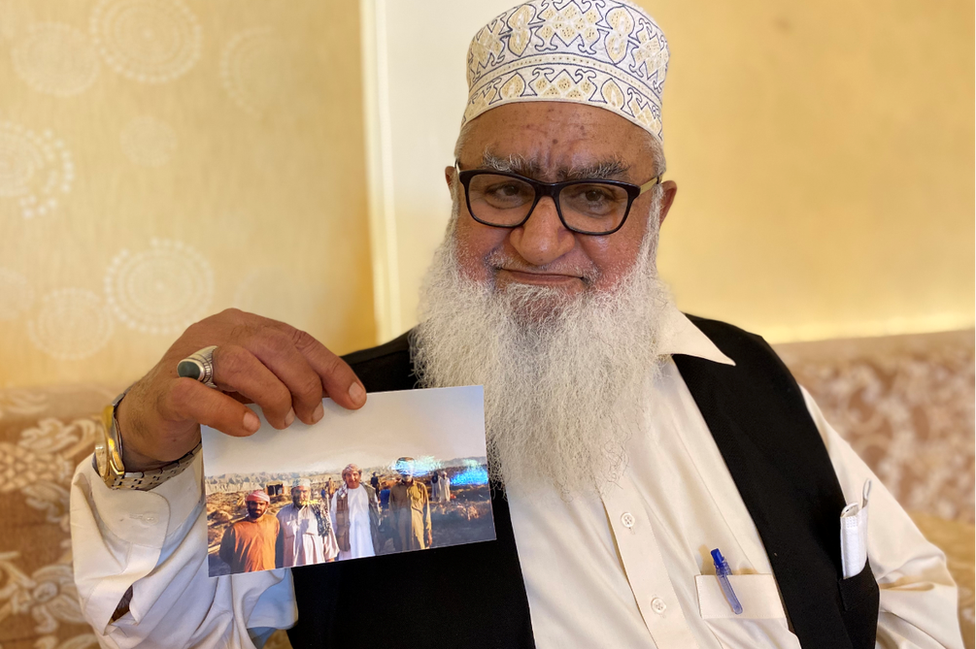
<point>192,400</point>
<point>277,351</point>
<point>340,382</point>
<point>237,369</point>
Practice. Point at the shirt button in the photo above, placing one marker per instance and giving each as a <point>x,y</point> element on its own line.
<point>658,605</point>
<point>628,520</point>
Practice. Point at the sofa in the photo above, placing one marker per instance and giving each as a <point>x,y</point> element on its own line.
<point>905,403</point>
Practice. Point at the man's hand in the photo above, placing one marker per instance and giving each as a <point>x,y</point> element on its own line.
<point>430,539</point>
<point>257,360</point>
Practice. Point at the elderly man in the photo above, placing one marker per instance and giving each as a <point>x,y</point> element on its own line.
<point>626,440</point>
<point>410,510</point>
<point>356,516</point>
<point>306,530</point>
<point>250,543</point>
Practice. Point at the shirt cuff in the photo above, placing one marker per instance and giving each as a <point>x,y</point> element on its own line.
<point>118,534</point>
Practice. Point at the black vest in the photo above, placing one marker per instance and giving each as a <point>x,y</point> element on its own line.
<point>473,596</point>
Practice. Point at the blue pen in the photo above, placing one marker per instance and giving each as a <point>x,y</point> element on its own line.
<point>722,572</point>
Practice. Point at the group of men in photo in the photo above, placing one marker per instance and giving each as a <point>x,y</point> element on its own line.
<point>352,521</point>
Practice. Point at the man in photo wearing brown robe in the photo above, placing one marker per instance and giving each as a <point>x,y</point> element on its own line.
<point>410,508</point>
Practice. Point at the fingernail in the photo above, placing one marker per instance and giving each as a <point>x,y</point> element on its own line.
<point>251,422</point>
<point>356,392</point>
<point>290,418</point>
<point>318,413</point>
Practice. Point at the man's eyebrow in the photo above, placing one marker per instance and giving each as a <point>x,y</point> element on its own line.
<point>604,170</point>
<point>514,164</point>
<point>611,169</point>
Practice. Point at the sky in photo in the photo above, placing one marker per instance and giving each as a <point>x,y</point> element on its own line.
<point>443,423</point>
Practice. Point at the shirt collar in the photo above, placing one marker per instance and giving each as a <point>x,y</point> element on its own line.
<point>683,337</point>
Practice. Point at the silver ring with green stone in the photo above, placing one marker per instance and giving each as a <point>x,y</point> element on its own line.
<point>199,366</point>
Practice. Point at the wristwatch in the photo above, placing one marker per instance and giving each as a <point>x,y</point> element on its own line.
<point>108,457</point>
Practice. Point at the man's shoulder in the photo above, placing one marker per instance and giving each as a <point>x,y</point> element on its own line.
<point>396,347</point>
<point>747,349</point>
<point>723,333</point>
<point>384,367</point>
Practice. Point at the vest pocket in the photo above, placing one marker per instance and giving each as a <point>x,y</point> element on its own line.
<point>861,598</point>
<point>859,589</point>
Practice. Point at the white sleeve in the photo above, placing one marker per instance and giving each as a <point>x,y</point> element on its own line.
<point>918,597</point>
<point>156,542</point>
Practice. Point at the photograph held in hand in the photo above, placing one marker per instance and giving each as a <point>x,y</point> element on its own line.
<point>296,497</point>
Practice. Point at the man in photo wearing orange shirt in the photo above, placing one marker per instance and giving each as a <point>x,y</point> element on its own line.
<point>249,544</point>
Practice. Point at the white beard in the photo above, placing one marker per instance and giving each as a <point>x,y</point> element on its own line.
<point>564,378</point>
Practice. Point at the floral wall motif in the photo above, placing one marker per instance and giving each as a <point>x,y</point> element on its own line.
<point>161,160</point>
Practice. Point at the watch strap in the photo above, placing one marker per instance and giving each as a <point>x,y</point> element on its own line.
<point>139,480</point>
<point>146,480</point>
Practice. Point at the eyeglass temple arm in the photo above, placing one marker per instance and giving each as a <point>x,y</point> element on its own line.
<point>650,183</point>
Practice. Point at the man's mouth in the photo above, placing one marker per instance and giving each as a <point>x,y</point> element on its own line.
<point>538,278</point>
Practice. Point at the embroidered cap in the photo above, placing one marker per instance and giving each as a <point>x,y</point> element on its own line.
<point>608,54</point>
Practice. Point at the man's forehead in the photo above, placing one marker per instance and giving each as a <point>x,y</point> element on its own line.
<point>554,140</point>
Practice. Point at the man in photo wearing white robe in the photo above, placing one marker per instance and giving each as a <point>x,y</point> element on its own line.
<point>355,516</point>
<point>306,535</point>
<point>444,488</point>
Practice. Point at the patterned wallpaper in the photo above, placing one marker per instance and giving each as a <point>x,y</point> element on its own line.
<point>161,160</point>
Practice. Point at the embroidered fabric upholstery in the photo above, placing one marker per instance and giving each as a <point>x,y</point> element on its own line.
<point>44,434</point>
<point>905,403</point>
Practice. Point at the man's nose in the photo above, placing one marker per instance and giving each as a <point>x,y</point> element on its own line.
<point>543,238</point>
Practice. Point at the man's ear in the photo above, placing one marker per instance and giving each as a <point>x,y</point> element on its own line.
<point>449,179</point>
<point>670,191</point>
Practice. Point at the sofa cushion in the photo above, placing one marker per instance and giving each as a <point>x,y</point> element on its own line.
<point>44,433</point>
<point>958,541</point>
<point>905,404</point>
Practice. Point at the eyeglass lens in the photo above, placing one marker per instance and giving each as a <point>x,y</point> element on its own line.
<point>586,206</point>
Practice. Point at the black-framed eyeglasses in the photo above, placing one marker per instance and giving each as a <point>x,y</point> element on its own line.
<point>506,200</point>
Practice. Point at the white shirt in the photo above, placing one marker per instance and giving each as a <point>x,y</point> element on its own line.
<point>625,575</point>
<point>300,535</point>
<point>616,572</point>
<point>360,536</point>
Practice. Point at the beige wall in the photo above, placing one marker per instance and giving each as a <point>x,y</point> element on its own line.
<point>202,155</point>
<point>824,154</point>
<point>824,157</point>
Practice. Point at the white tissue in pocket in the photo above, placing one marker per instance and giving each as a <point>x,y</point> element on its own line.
<point>854,535</point>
